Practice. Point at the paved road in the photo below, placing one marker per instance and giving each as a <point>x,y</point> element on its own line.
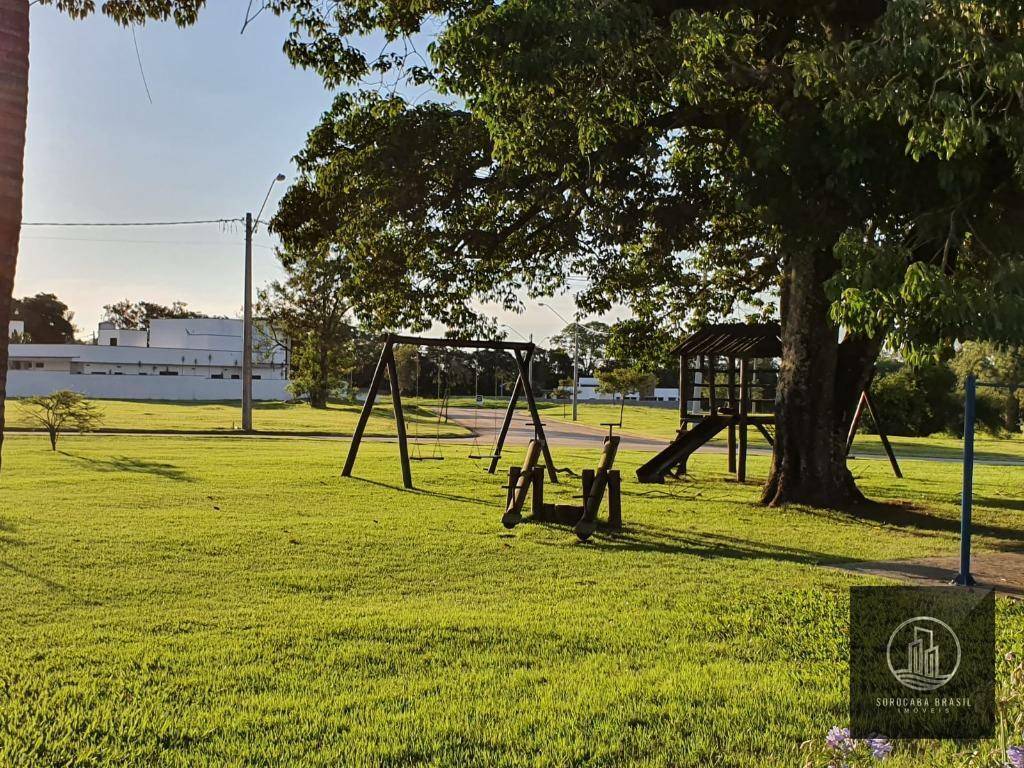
<point>487,421</point>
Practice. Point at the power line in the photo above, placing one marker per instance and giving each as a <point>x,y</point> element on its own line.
<point>129,223</point>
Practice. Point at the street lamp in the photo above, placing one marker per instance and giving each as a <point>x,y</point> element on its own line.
<point>575,357</point>
<point>529,372</point>
<point>250,229</point>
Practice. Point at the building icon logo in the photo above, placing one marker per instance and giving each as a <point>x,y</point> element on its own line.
<point>923,653</point>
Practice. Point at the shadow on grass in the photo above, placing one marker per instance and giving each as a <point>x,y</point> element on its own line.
<point>902,514</point>
<point>421,491</point>
<point>135,465</point>
<point>648,538</point>
<point>1012,504</point>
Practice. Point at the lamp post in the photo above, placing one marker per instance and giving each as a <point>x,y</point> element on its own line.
<point>529,372</point>
<point>250,229</point>
<point>575,358</point>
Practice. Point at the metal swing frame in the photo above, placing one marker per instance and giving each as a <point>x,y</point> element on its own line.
<point>521,351</point>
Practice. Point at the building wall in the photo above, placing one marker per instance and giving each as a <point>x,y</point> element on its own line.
<point>28,383</point>
<point>15,326</point>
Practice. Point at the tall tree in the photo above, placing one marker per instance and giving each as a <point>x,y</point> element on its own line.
<point>14,43</point>
<point>47,319</point>
<point>593,340</point>
<point>308,312</point>
<point>859,164</point>
<point>137,314</point>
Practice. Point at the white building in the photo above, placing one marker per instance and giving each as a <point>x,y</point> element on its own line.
<point>15,327</point>
<point>588,391</point>
<point>177,359</point>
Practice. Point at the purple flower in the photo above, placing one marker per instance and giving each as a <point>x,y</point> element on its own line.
<point>880,749</point>
<point>839,738</point>
<point>1016,756</point>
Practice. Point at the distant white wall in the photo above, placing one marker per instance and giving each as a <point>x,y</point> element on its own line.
<point>27,383</point>
<point>15,327</point>
<point>121,337</point>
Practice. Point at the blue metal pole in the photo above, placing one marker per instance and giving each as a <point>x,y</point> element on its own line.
<point>964,578</point>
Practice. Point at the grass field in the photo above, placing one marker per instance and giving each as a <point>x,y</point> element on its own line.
<point>191,601</point>
<point>297,418</point>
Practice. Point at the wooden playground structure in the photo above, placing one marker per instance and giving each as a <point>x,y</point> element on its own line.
<point>527,481</point>
<point>386,366</point>
<point>726,372</point>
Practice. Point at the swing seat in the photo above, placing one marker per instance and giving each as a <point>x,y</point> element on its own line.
<point>484,456</point>
<point>426,458</point>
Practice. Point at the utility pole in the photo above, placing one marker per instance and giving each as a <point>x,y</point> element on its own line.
<point>250,229</point>
<point>575,368</point>
<point>247,331</point>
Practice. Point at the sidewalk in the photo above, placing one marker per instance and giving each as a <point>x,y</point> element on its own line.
<point>1003,571</point>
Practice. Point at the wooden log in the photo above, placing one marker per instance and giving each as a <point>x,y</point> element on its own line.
<point>514,511</point>
<point>513,478</point>
<point>592,503</point>
<point>538,492</point>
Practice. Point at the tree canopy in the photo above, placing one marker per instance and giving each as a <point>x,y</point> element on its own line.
<point>843,163</point>
<point>47,319</point>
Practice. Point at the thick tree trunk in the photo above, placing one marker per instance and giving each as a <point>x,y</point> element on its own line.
<point>13,116</point>
<point>820,380</point>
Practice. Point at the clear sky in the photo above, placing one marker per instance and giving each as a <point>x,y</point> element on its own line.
<point>228,112</point>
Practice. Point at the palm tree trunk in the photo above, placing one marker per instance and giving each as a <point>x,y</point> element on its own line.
<point>13,117</point>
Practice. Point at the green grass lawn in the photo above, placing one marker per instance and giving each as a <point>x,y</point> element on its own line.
<point>187,601</point>
<point>159,416</point>
<point>662,422</point>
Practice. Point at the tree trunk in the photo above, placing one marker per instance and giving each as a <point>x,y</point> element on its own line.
<point>820,381</point>
<point>53,439</point>
<point>13,116</point>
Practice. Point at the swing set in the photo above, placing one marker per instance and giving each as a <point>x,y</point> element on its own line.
<point>521,351</point>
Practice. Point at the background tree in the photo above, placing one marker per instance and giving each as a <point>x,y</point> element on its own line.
<point>308,312</point>
<point>47,319</point>
<point>995,364</point>
<point>60,411</point>
<point>691,159</point>
<point>624,382</point>
<point>137,314</point>
<point>593,341</point>
<point>407,363</point>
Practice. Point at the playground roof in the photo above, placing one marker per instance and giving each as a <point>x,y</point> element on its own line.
<point>734,340</point>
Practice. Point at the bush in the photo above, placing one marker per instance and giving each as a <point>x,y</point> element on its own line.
<point>922,401</point>
<point>915,402</point>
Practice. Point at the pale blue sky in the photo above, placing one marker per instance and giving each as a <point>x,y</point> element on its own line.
<point>228,113</point>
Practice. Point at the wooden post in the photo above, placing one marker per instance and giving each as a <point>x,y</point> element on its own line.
<point>396,399</point>
<point>881,433</point>
<point>615,500</point>
<point>586,482</point>
<point>683,376</point>
<point>524,376</point>
<point>364,414</point>
<point>538,492</point>
<point>505,424</point>
<point>712,398</point>
<point>731,437</point>
<point>513,478</point>
<point>855,424</point>
<point>741,467</point>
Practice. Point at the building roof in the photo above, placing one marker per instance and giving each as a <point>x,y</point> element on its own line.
<point>743,340</point>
